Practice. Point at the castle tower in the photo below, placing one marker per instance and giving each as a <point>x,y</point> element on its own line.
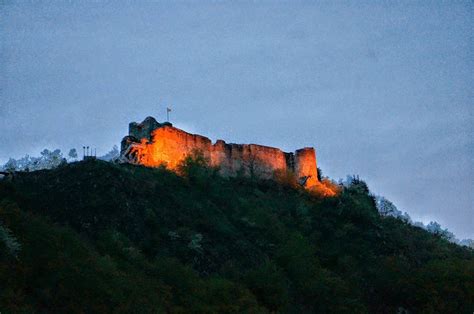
<point>305,166</point>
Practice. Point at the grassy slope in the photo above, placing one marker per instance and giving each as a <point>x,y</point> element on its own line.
<point>98,237</point>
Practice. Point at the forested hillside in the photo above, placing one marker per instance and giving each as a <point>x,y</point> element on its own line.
<point>96,237</point>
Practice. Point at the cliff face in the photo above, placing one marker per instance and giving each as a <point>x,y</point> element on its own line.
<point>153,144</point>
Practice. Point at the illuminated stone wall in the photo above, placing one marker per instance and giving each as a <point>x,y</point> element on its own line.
<point>305,165</point>
<point>152,144</point>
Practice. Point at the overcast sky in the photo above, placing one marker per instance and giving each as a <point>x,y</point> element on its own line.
<point>380,90</point>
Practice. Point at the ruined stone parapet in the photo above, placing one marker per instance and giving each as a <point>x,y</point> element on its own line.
<point>153,144</point>
<point>144,129</point>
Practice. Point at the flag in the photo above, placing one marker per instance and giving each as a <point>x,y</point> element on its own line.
<point>168,109</point>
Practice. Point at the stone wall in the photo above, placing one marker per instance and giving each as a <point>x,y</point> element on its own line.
<point>152,144</point>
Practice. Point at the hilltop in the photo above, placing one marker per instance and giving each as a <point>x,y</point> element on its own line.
<point>98,237</point>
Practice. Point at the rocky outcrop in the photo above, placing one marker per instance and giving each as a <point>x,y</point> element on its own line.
<point>153,144</point>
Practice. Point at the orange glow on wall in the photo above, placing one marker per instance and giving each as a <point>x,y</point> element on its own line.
<point>153,144</point>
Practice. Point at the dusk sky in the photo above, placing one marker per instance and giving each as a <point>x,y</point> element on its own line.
<point>381,90</point>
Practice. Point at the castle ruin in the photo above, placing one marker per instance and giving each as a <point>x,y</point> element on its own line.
<point>152,144</point>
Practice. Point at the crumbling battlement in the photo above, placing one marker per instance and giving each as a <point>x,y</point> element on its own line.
<point>152,144</point>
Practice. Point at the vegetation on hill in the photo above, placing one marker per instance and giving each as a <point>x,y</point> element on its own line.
<point>97,237</point>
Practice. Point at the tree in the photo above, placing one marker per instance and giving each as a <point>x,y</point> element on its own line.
<point>386,208</point>
<point>320,175</point>
<point>73,153</point>
<point>11,165</point>
<point>113,154</point>
<point>9,240</point>
<point>50,159</point>
<point>436,229</point>
<point>47,160</point>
